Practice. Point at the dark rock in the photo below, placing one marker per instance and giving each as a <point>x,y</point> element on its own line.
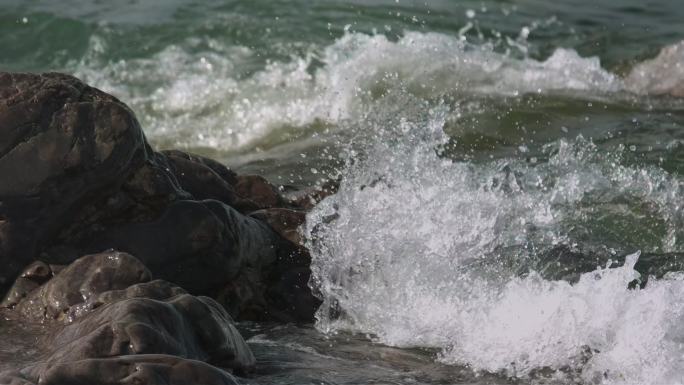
<point>278,291</point>
<point>289,296</point>
<point>33,276</point>
<point>285,222</point>
<point>60,141</point>
<point>184,326</point>
<point>84,179</point>
<point>21,288</point>
<point>38,272</point>
<point>197,245</point>
<point>258,190</point>
<point>119,320</point>
<point>83,279</point>
<point>307,198</point>
<point>203,178</point>
<point>228,175</point>
<point>124,370</point>
<point>156,289</point>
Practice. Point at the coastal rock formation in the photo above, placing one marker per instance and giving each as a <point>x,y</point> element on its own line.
<point>80,178</point>
<point>154,369</point>
<point>103,320</point>
<point>123,265</point>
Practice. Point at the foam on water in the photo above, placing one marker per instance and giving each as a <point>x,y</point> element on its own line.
<point>197,94</point>
<point>415,249</point>
<point>662,75</point>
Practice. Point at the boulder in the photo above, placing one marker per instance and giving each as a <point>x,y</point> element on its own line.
<point>103,320</point>
<point>125,370</point>
<point>81,178</point>
<point>60,143</point>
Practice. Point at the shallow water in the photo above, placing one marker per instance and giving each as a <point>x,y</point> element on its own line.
<point>502,165</point>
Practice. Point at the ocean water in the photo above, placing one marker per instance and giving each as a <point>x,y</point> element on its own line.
<point>510,172</point>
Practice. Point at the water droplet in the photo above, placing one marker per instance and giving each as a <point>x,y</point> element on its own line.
<point>524,33</point>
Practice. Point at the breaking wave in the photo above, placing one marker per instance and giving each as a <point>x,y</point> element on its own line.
<point>420,250</point>
<point>195,96</point>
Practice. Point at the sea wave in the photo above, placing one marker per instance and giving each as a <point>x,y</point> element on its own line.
<point>191,95</point>
<point>420,250</point>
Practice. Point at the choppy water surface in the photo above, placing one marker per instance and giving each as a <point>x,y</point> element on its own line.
<point>510,175</point>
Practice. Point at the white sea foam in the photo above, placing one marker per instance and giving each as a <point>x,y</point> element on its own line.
<point>200,97</point>
<point>412,250</point>
<point>661,75</point>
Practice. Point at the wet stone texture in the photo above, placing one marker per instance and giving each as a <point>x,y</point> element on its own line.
<point>111,252</point>
<point>103,320</point>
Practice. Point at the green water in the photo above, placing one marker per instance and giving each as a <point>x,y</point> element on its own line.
<point>619,32</point>
<point>136,48</point>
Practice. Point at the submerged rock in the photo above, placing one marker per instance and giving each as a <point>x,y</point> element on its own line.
<point>81,178</point>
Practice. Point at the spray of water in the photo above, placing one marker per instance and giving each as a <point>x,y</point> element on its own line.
<point>420,250</point>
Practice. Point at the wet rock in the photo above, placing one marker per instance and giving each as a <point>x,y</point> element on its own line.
<point>203,178</point>
<point>185,326</point>
<point>125,370</point>
<point>221,170</point>
<point>31,278</point>
<point>157,289</point>
<point>84,179</point>
<point>197,245</point>
<point>279,291</point>
<point>285,222</point>
<point>21,288</point>
<point>259,191</point>
<point>291,293</point>
<point>83,279</point>
<point>102,317</point>
<point>60,141</point>
<point>307,198</point>
<point>38,272</point>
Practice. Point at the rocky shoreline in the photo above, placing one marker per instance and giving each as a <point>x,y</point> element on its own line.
<point>125,265</point>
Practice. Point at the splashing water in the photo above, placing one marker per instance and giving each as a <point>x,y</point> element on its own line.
<point>214,104</point>
<point>420,250</point>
